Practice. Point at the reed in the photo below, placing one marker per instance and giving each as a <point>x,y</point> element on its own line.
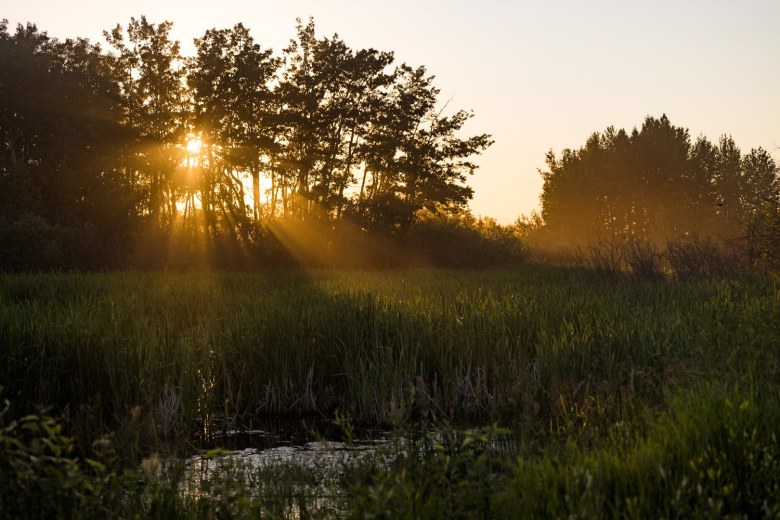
<point>600,382</point>
<point>188,352</point>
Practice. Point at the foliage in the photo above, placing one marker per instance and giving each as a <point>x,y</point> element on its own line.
<point>30,241</point>
<point>61,151</point>
<point>684,258</point>
<point>694,257</point>
<point>710,456</point>
<point>762,240</point>
<point>40,475</point>
<point>462,242</point>
<point>456,474</point>
<point>653,185</point>
<point>138,148</point>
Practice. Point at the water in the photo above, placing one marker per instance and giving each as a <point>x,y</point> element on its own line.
<point>294,476</point>
<point>320,460</point>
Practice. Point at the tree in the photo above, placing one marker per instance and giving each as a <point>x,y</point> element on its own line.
<point>653,185</point>
<point>345,114</point>
<point>230,79</point>
<point>415,157</point>
<point>106,138</point>
<point>759,181</point>
<point>727,184</point>
<point>703,202</point>
<point>149,72</point>
<point>62,140</point>
<point>592,193</point>
<point>760,207</point>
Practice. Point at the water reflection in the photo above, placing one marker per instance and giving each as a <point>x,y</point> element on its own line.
<point>285,477</point>
<point>300,479</point>
<point>322,458</point>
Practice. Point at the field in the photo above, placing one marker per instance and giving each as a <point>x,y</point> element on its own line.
<point>540,391</point>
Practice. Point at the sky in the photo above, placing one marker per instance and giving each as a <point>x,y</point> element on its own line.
<point>538,75</point>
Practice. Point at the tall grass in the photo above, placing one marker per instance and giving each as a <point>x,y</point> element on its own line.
<point>171,353</point>
<point>627,393</point>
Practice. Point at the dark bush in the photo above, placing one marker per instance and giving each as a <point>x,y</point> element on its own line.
<point>604,257</point>
<point>453,242</point>
<point>694,258</point>
<point>31,242</point>
<point>643,259</point>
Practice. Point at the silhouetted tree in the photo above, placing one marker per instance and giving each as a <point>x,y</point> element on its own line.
<point>149,71</point>
<point>62,143</point>
<point>654,185</point>
<point>94,143</point>
<point>415,159</point>
<point>230,81</point>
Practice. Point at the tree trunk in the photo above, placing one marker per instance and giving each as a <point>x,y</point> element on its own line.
<point>256,193</point>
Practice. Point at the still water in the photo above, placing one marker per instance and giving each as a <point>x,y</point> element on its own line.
<point>299,476</point>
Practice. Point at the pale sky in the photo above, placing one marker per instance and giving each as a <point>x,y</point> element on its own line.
<point>539,75</point>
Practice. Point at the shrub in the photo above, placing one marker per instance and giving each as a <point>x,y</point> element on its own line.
<point>31,242</point>
<point>462,242</point>
<point>693,258</point>
<point>40,474</point>
<point>643,258</point>
<point>605,258</point>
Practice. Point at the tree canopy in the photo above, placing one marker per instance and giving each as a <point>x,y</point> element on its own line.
<point>655,184</point>
<point>103,148</point>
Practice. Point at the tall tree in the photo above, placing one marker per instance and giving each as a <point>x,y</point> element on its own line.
<point>727,183</point>
<point>759,181</point>
<point>653,184</point>
<point>415,157</point>
<point>149,69</point>
<point>341,133</point>
<point>231,79</point>
<point>62,138</point>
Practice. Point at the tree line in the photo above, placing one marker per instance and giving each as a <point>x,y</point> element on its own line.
<point>132,155</point>
<point>656,184</point>
<point>224,150</point>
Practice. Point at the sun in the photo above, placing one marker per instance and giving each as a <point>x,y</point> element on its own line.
<point>194,144</point>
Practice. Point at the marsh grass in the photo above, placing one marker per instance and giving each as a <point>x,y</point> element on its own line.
<point>175,353</point>
<point>587,375</point>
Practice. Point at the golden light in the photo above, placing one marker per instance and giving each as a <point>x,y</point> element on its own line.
<point>194,145</point>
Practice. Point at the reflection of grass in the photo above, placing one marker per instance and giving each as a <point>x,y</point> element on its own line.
<point>616,393</point>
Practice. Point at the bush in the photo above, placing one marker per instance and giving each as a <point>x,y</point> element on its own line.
<point>31,242</point>
<point>456,475</point>
<point>464,242</point>
<point>694,258</point>
<point>643,258</point>
<point>603,257</point>
<point>41,476</point>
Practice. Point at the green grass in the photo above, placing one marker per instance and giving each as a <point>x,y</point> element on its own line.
<point>591,377</point>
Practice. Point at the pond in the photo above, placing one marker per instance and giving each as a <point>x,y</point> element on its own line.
<point>292,473</point>
<point>300,476</point>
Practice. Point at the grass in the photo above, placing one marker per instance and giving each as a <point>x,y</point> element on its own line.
<point>597,380</point>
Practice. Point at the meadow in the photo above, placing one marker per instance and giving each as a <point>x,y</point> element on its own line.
<point>550,391</point>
